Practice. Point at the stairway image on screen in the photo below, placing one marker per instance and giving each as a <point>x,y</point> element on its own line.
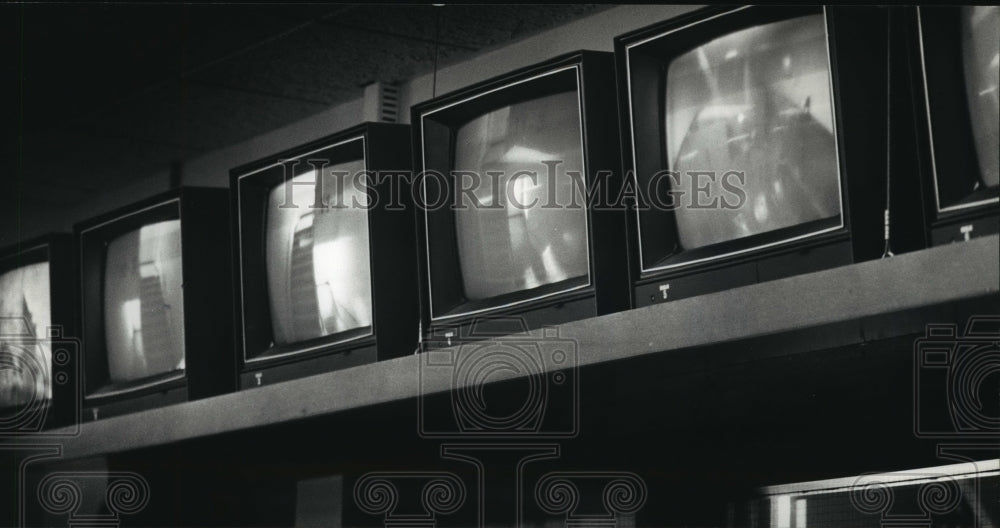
<point>516,244</point>
<point>981,61</point>
<point>144,303</point>
<point>25,364</point>
<point>755,101</point>
<point>318,268</point>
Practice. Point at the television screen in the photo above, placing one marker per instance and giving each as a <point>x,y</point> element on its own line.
<point>144,303</point>
<point>756,101</point>
<point>508,241</point>
<point>25,313</point>
<point>964,496</point>
<point>318,267</point>
<point>981,64</point>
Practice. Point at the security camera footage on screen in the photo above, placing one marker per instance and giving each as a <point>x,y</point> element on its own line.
<point>25,375</point>
<point>144,303</point>
<point>981,61</point>
<point>506,245</point>
<point>755,101</point>
<point>318,269</point>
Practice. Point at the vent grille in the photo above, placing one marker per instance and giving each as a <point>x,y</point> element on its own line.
<point>388,103</point>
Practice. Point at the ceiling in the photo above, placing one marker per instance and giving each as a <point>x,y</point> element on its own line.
<point>107,92</point>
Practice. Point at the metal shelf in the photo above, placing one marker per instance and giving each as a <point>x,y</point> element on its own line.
<point>906,283</point>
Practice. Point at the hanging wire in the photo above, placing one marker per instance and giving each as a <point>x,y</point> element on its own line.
<point>434,80</point>
<point>887,250</point>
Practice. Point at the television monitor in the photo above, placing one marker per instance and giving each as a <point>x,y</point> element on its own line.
<point>751,156</point>
<point>964,494</point>
<point>510,172</point>
<point>324,254</point>
<point>38,369</point>
<point>958,71</point>
<point>154,279</point>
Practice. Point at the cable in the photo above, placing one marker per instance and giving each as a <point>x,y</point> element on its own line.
<point>887,250</point>
<point>420,337</point>
<point>434,82</point>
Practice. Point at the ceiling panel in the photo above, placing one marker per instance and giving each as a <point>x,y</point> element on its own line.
<point>113,92</point>
<point>468,27</point>
<point>77,59</point>
<point>322,63</point>
<point>80,161</point>
<point>194,117</point>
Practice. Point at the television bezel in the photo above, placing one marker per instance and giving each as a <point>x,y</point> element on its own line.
<point>336,150</point>
<point>607,275</point>
<point>63,408</point>
<point>744,248</point>
<point>209,362</point>
<point>384,149</point>
<point>927,122</point>
<point>106,231</point>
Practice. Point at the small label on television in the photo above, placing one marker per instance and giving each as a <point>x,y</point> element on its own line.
<point>966,231</point>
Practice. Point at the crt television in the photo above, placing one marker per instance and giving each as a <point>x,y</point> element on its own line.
<point>756,141</point>
<point>38,377</point>
<point>510,170</point>
<point>325,255</point>
<point>960,494</point>
<point>154,280</point>
<point>956,65</point>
